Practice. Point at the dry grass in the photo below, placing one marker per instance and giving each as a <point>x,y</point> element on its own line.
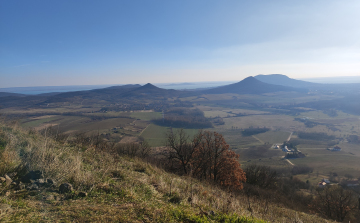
<point>123,189</point>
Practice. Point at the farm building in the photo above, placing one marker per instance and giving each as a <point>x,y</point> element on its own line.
<point>285,149</point>
<point>336,148</point>
<point>322,185</point>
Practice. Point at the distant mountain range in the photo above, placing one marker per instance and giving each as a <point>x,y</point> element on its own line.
<point>259,84</point>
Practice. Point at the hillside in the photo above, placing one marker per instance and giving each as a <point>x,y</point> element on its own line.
<point>149,90</point>
<point>7,94</point>
<point>100,94</point>
<point>250,85</point>
<point>115,94</point>
<point>284,80</point>
<point>108,187</point>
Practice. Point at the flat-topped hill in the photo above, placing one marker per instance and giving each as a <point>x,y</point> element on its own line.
<point>250,85</point>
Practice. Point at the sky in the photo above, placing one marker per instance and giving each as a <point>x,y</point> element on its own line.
<point>86,42</point>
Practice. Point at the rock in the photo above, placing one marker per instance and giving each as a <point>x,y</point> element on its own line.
<point>33,187</point>
<point>40,182</point>
<point>82,194</point>
<point>65,188</point>
<point>32,175</point>
<point>8,180</point>
<point>50,181</point>
<point>12,175</point>
<point>5,208</point>
<point>2,179</point>
<point>20,186</point>
<point>49,197</point>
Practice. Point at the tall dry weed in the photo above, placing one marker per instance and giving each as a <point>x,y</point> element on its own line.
<point>57,161</point>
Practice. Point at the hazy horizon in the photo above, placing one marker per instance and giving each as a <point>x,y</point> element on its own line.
<point>82,42</point>
<point>32,90</point>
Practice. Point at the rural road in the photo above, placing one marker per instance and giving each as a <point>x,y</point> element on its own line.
<point>290,162</point>
<point>289,137</point>
<point>284,156</point>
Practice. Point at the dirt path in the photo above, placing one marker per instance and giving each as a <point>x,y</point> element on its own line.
<point>290,162</point>
<point>258,139</point>
<point>144,129</point>
<point>289,137</point>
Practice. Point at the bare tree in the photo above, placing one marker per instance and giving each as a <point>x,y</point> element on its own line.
<point>180,148</point>
<point>145,149</point>
<point>261,176</point>
<point>334,202</point>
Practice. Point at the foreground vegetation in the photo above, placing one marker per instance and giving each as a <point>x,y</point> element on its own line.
<point>113,187</point>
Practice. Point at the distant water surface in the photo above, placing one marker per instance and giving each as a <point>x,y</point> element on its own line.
<point>50,89</point>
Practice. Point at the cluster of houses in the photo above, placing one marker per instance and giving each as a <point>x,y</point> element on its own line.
<point>348,183</point>
<point>283,148</point>
<point>290,153</point>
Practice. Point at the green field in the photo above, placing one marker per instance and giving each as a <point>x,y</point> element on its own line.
<point>326,161</point>
<point>156,135</point>
<point>69,124</point>
<point>30,123</point>
<point>273,136</point>
<point>271,161</point>
<point>236,140</point>
<point>146,116</point>
<point>274,122</point>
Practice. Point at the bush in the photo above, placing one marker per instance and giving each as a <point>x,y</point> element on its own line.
<point>301,169</point>
<point>175,198</point>
<point>253,131</point>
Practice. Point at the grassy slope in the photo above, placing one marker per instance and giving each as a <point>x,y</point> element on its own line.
<point>120,189</point>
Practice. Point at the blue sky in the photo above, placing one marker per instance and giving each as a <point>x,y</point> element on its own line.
<point>118,42</point>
